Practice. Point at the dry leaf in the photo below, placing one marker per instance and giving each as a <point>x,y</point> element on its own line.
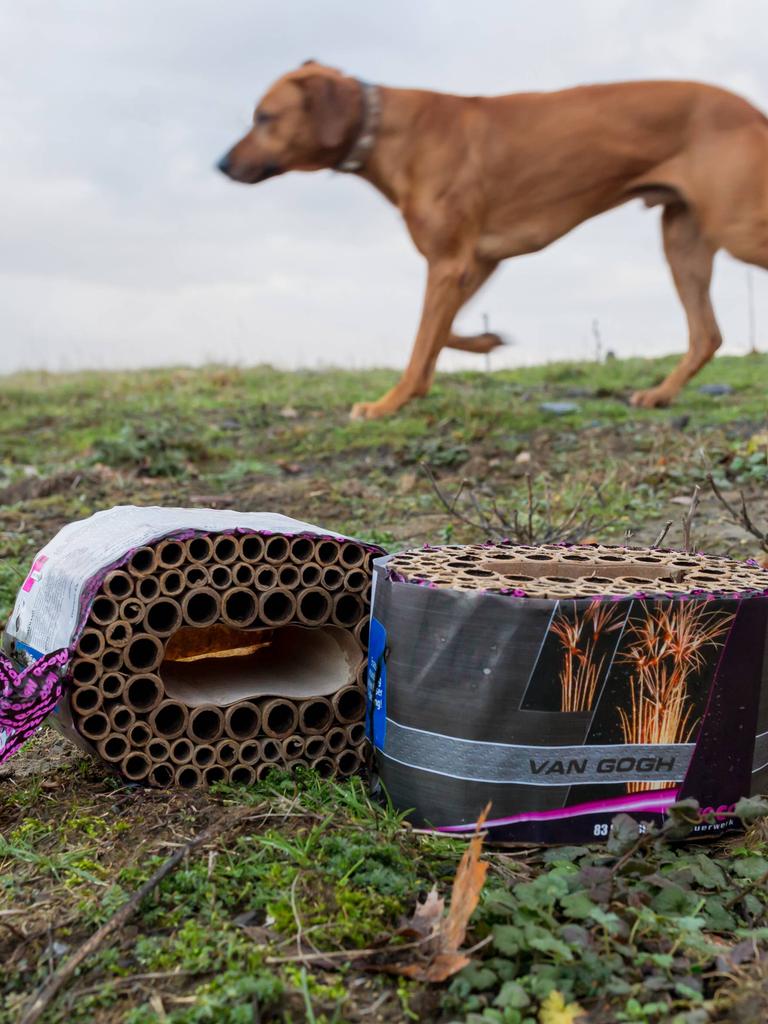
<point>443,935</point>
<point>554,1010</point>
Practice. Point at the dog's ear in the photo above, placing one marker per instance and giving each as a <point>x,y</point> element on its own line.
<point>332,104</point>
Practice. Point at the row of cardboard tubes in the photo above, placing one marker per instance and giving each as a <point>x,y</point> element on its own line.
<point>162,588</point>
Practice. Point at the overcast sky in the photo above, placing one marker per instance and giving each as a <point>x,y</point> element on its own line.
<point>120,245</point>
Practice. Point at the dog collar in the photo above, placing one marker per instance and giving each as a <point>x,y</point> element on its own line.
<point>366,138</point>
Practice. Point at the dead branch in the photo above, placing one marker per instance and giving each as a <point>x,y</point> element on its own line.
<point>66,970</point>
<point>688,520</point>
<point>660,539</point>
<point>740,516</point>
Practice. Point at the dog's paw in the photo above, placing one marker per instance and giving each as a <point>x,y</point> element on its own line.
<point>367,411</point>
<point>653,398</point>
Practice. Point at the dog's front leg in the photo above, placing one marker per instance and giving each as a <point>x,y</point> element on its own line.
<point>447,283</point>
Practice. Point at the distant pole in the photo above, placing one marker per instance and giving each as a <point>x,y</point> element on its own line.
<point>598,340</point>
<point>751,313</point>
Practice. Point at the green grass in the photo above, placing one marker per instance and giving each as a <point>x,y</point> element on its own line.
<point>652,936</point>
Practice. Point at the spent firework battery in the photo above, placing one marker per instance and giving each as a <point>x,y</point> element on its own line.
<point>566,684</point>
<point>202,645</point>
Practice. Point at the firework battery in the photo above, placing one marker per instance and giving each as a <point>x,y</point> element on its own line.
<point>566,685</point>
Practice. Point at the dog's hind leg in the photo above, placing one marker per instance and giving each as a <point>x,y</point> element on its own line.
<point>690,257</point>
<point>450,282</point>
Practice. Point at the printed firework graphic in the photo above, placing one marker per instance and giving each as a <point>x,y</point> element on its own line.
<point>665,650</point>
<point>580,634</point>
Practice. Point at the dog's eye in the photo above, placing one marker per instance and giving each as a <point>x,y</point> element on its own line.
<point>262,117</point>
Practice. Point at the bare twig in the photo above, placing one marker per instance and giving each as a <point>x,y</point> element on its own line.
<point>66,970</point>
<point>664,531</point>
<point>740,516</point>
<point>688,520</point>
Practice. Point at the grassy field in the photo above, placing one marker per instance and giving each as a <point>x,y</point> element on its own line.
<point>237,932</point>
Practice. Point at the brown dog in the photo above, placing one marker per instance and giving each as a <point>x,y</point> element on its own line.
<point>479,179</point>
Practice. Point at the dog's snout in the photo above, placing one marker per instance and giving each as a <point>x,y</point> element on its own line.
<point>225,163</point>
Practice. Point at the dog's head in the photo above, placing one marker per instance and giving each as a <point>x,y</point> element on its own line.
<point>306,121</point>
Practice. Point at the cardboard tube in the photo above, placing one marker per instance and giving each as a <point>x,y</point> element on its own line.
<point>301,549</point>
<point>148,588</point>
<point>112,684</point>
<point>310,574</point>
<point>132,611</point>
<point>348,609</point>
<point>361,674</point>
<point>242,574</point>
<point>163,617</point>
<point>118,633</point>
<point>242,775</point>
<point>279,717</point>
<point>355,733</point>
<point>332,577</point>
<point>276,549</point>
<point>161,775</point>
<point>181,750</point>
<point>118,584</point>
<point>86,699</point>
<point>291,766</point>
<point>367,594</point>
<point>199,549</point>
<point>201,607</point>
<point>143,692</point>
<point>263,769</point>
<point>85,671</point>
<point>215,773</point>
<point>226,753</point>
<point>349,704</point>
<point>313,606</point>
<point>242,720</point>
<point>270,750</point>
<point>172,582</point>
<point>103,610</point>
<point>292,747</point>
<point>158,749</point>
<point>239,607</point>
<point>314,747</point>
<point>91,643</point>
<point>143,561</point>
<point>203,755</point>
<point>355,581</point>
<point>136,766</point>
<point>249,752</point>
<point>326,552</point>
<point>220,576</point>
<point>121,717</point>
<point>196,576</point>
<point>226,549</point>
<point>169,719</point>
<point>139,734</point>
<point>288,576</point>
<point>336,740</point>
<point>188,777</point>
<point>324,767</point>
<point>277,607</point>
<point>170,553</point>
<point>206,723</point>
<point>348,762</point>
<point>265,577</point>
<point>251,547</point>
<point>95,726</point>
<point>114,747</point>
<point>351,555</point>
<point>144,653</point>
<point>111,659</point>
<point>361,631</point>
<point>315,715</point>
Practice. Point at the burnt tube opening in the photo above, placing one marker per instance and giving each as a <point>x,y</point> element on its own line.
<point>276,548</point>
<point>199,549</point>
<point>324,767</point>
<point>118,584</point>
<point>85,699</point>
<point>85,670</point>
<point>279,718</point>
<point>214,774</point>
<point>226,752</point>
<point>221,576</point>
<point>91,643</point>
<point>132,610</point>
<point>332,578</point>
<point>351,555</point>
<point>349,704</point>
<point>196,576</point>
<point>242,775</point>
<point>143,653</point>
<point>336,740</point>
<point>172,582</point>
<point>239,607</point>
<point>356,733</point>
<point>347,609</point>
<point>139,734</point>
<point>118,633</point>
<point>95,726</point>
<point>161,775</point>
<point>111,659</point>
<point>242,574</point>
<point>181,750</point>
<point>288,576</point>
<point>314,747</point>
<point>142,561</point>
<point>326,552</point>
<point>163,616</point>
<point>250,751</point>
<point>315,715</point>
<point>112,684</point>
<point>148,588</point>
<point>310,574</point>
<point>170,554</point>
<point>242,721</point>
<point>301,549</point>
<point>206,723</point>
<point>142,693</point>
<point>136,766</point>
<point>158,749</point>
<point>169,719</point>
<point>265,577</point>
<point>252,547</point>
<point>277,607</point>
<point>348,761</point>
<point>122,717</point>
<point>103,610</point>
<point>201,608</point>
<point>203,755</point>
<point>225,549</point>
<point>313,606</point>
<point>114,747</point>
<point>188,777</point>
<point>270,750</point>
